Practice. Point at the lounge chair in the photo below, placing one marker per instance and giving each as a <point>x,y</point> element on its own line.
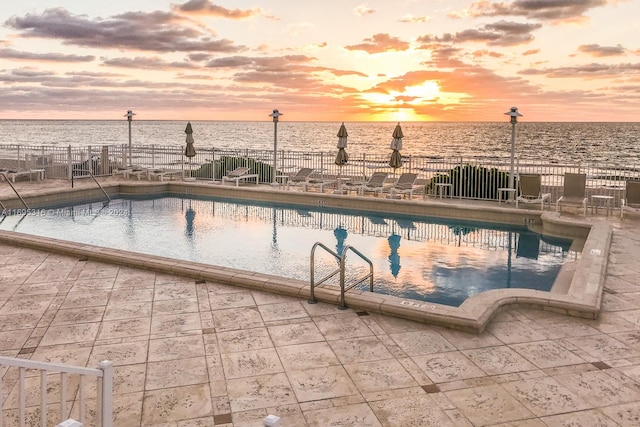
<point>12,174</point>
<point>404,185</point>
<point>530,190</point>
<point>240,174</point>
<point>575,186</point>
<point>137,171</point>
<point>319,183</point>
<point>299,178</point>
<point>374,185</point>
<point>631,200</point>
<point>161,173</point>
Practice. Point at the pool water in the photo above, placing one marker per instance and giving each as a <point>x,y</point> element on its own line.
<point>421,258</point>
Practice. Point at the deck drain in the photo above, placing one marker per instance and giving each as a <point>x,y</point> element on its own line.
<point>222,419</point>
<point>200,282</point>
<point>362,313</point>
<point>27,350</point>
<point>207,331</point>
<point>84,259</point>
<point>431,388</point>
<point>601,365</point>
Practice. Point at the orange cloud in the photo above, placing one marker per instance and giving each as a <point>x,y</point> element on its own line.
<point>379,43</point>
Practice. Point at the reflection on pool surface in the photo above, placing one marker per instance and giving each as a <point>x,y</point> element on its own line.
<point>421,258</point>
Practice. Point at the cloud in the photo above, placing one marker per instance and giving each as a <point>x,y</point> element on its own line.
<point>544,10</point>
<point>530,52</point>
<point>414,19</point>
<point>599,51</point>
<point>255,67</point>
<point>379,43</point>
<point>155,31</point>
<point>364,9</point>
<point>588,71</point>
<point>53,57</point>
<point>501,33</point>
<point>485,52</point>
<point>206,7</point>
<point>145,63</point>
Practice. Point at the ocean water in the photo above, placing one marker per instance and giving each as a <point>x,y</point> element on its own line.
<point>554,142</point>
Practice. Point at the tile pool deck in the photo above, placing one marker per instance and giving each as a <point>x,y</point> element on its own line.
<point>194,353</point>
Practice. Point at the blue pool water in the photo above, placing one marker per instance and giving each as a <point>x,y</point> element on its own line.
<point>427,259</point>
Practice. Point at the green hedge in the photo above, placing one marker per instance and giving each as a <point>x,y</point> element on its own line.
<point>226,164</point>
<point>475,182</point>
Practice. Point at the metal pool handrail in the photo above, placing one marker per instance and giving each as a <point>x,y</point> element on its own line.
<point>6,178</point>
<point>94,179</point>
<point>342,258</point>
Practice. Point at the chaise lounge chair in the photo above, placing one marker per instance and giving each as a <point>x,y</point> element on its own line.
<point>240,174</point>
<point>530,190</point>
<point>12,174</point>
<point>631,201</point>
<point>299,178</point>
<point>161,173</point>
<point>319,183</point>
<point>575,186</point>
<point>374,185</point>
<point>404,185</point>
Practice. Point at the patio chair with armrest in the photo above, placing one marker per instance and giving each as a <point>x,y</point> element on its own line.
<point>574,190</point>
<point>404,186</point>
<point>374,185</point>
<point>240,174</point>
<point>530,190</point>
<point>631,200</point>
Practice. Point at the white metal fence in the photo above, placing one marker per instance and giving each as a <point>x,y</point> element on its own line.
<point>28,404</point>
<point>471,177</point>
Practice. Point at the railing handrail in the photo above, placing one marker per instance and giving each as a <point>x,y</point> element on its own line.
<point>369,276</point>
<point>104,372</point>
<point>94,179</point>
<point>341,269</point>
<point>312,299</point>
<point>6,178</point>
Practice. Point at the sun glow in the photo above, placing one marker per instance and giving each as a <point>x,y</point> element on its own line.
<point>402,106</point>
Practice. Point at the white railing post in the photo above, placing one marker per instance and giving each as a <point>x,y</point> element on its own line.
<point>107,394</point>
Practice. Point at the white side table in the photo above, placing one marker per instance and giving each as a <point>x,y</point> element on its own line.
<point>507,191</point>
<point>599,199</point>
<point>39,173</point>
<point>440,187</point>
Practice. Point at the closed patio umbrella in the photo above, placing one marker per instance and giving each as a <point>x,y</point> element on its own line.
<point>189,150</point>
<point>396,145</point>
<point>342,157</point>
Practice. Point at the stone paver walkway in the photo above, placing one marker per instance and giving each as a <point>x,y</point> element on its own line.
<point>191,353</point>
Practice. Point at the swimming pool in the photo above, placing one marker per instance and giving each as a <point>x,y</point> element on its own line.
<point>420,258</point>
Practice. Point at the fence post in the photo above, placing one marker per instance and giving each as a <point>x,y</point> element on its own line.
<point>69,163</point>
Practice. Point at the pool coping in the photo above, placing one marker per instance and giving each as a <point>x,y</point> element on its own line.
<point>583,297</point>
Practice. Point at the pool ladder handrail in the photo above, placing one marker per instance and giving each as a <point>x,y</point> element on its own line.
<point>94,179</point>
<point>341,270</point>
<point>6,178</point>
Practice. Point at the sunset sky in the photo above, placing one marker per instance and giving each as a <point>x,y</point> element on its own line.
<point>332,60</point>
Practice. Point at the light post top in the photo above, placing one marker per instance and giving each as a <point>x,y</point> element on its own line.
<point>513,112</point>
<point>275,115</point>
<point>129,115</point>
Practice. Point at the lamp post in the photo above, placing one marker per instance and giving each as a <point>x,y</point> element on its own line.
<point>513,112</point>
<point>275,116</point>
<point>129,117</point>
